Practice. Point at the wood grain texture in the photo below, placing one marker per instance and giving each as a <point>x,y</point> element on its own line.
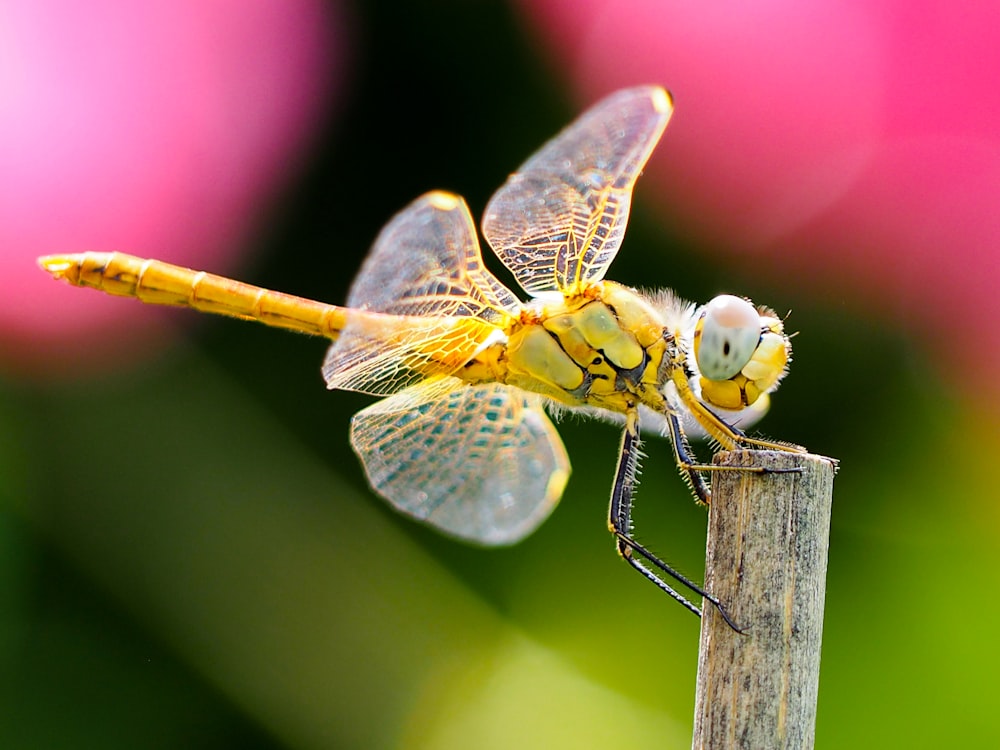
<point>768,542</point>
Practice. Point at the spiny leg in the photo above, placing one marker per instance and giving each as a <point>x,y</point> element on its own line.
<point>728,436</point>
<point>693,471</point>
<point>620,523</point>
<point>682,454</point>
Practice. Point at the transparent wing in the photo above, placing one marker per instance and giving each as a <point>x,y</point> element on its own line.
<point>482,463</point>
<point>427,304</point>
<point>426,261</point>
<point>382,354</point>
<point>557,223</point>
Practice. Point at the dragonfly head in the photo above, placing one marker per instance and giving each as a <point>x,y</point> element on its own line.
<point>742,352</point>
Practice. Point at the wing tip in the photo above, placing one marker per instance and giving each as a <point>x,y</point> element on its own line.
<point>443,200</point>
<point>663,100</point>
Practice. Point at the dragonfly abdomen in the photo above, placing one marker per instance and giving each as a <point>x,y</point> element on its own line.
<point>159,283</point>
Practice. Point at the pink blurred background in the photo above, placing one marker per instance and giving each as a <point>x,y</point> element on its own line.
<point>158,129</point>
<point>852,148</point>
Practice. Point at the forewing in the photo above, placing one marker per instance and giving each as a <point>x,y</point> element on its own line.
<point>482,463</point>
<point>423,304</point>
<point>426,261</point>
<point>558,222</point>
<point>382,354</point>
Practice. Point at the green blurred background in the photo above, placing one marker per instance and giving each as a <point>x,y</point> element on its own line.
<point>191,556</point>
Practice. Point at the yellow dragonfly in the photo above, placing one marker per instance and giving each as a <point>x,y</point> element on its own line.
<point>461,439</point>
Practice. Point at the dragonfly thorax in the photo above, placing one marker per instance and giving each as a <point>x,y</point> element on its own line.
<point>605,347</point>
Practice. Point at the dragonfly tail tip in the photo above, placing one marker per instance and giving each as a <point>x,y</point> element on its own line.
<point>60,266</point>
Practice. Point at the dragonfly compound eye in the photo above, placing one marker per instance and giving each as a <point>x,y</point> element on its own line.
<point>726,337</point>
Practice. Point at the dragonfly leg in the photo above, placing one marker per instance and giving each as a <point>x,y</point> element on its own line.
<point>620,523</point>
<point>694,472</point>
<point>691,470</point>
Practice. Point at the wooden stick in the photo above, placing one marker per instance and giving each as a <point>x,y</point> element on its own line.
<point>768,540</point>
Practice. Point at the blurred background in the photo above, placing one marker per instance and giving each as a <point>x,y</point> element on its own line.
<point>190,555</point>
